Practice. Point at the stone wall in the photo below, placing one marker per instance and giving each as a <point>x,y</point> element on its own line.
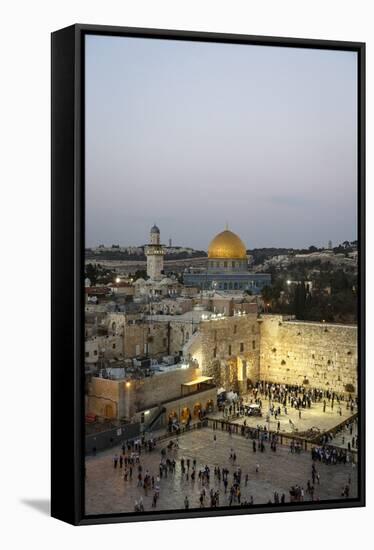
<point>145,338</point>
<point>110,346</point>
<point>320,355</point>
<point>121,399</point>
<point>192,403</point>
<point>229,350</point>
<point>105,398</point>
<point>159,388</point>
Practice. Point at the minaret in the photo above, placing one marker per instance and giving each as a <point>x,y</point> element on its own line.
<point>155,255</point>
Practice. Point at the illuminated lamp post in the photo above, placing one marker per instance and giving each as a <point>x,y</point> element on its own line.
<point>128,388</point>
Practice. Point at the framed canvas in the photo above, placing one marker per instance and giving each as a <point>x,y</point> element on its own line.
<point>208,282</point>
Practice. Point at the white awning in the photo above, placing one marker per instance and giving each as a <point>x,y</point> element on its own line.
<point>198,380</point>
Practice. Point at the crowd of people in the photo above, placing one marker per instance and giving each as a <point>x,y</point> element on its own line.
<point>215,486</point>
<point>301,396</point>
<point>280,399</point>
<point>286,395</point>
<point>330,455</point>
<point>345,434</point>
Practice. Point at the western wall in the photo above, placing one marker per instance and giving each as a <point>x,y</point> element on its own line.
<point>320,355</point>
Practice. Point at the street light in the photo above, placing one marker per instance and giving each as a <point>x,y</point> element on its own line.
<point>118,280</point>
<point>128,408</point>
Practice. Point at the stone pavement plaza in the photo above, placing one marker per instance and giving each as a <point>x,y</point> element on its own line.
<point>107,492</point>
<point>310,418</point>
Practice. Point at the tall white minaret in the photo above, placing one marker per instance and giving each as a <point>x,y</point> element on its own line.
<point>155,255</point>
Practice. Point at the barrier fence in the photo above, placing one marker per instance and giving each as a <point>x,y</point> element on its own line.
<point>282,438</point>
<point>130,433</point>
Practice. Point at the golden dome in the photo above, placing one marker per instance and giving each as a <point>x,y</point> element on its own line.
<point>227,245</point>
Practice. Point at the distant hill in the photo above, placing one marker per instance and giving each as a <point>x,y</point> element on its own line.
<point>116,254</point>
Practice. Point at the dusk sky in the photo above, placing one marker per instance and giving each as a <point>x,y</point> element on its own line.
<point>191,135</point>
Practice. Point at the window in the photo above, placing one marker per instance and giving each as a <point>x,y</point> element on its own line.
<point>87,354</point>
<point>224,264</point>
<point>215,352</point>
<point>241,346</point>
<point>230,349</point>
<point>253,344</point>
<point>95,352</point>
<point>113,346</point>
<point>235,329</point>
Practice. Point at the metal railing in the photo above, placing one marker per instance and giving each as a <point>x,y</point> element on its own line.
<point>282,438</point>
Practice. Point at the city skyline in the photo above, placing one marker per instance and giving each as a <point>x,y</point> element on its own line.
<point>165,242</point>
<point>194,135</point>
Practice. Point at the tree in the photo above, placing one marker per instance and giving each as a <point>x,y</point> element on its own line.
<point>140,274</point>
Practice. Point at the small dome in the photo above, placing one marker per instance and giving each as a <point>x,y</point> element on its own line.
<point>227,245</point>
<point>155,229</point>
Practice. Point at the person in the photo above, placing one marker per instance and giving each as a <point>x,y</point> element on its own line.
<point>186,502</point>
<point>141,505</point>
<point>257,468</point>
<point>115,461</point>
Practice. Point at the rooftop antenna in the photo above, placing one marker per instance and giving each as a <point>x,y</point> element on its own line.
<point>226,226</point>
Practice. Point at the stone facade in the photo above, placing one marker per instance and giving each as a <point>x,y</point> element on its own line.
<point>107,346</point>
<point>233,351</point>
<point>229,350</point>
<point>320,355</point>
<point>117,399</point>
<point>145,339</point>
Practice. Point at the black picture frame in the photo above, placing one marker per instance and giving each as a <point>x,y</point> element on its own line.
<point>68,196</point>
